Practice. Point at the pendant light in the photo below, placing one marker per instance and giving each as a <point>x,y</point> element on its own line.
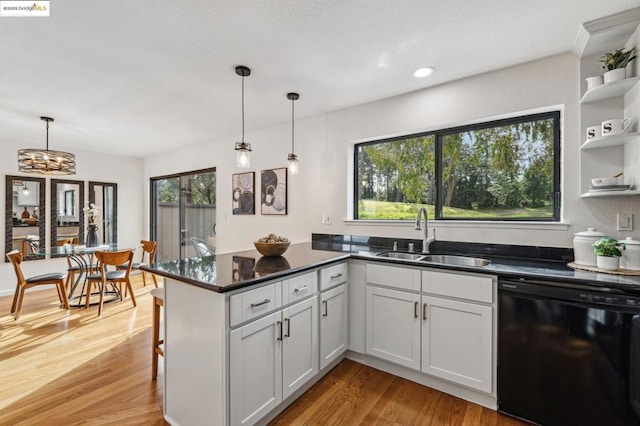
<point>46,162</point>
<point>293,158</point>
<point>243,159</point>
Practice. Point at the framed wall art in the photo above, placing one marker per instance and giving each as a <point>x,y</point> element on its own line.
<point>273,185</point>
<point>243,198</point>
<point>243,268</point>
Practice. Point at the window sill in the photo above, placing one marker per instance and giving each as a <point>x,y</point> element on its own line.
<point>555,226</point>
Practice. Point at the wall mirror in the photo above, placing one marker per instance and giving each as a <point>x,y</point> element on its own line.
<point>24,215</point>
<point>105,197</point>
<point>66,214</point>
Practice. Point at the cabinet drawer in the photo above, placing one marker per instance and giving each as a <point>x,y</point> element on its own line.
<point>333,275</point>
<point>253,303</point>
<point>470,287</point>
<point>393,276</point>
<point>299,287</point>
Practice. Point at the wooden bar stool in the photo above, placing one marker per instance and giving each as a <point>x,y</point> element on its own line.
<point>158,302</point>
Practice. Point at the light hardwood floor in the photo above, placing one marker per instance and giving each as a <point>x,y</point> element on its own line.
<point>62,367</point>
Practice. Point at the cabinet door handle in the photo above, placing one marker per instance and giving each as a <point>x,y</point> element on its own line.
<point>326,308</point>
<point>279,330</point>
<point>304,287</point>
<point>338,275</point>
<point>415,309</point>
<point>265,301</point>
<point>288,321</point>
<point>424,311</point>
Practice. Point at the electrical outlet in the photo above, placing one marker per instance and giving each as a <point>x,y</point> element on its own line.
<point>326,218</point>
<point>625,221</point>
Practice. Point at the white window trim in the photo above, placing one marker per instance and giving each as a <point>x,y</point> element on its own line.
<point>486,224</point>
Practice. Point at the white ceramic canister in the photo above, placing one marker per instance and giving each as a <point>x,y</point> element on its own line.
<point>583,246</point>
<point>630,255</point>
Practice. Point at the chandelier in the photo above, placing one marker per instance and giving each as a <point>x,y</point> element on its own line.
<point>46,162</point>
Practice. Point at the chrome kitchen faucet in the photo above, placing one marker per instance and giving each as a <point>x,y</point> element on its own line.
<point>425,230</point>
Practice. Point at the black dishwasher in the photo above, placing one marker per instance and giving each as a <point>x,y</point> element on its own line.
<point>568,354</point>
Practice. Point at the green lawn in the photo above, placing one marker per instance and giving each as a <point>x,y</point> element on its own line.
<point>371,209</point>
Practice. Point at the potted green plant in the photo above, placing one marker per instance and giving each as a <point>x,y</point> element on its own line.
<point>615,62</point>
<point>608,253</point>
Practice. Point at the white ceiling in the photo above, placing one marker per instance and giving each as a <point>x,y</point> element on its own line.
<point>138,77</point>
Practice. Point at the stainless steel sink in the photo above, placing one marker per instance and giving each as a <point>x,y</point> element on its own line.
<point>401,255</point>
<point>454,260</point>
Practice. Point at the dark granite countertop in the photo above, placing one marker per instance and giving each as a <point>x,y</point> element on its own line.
<point>226,272</point>
<point>232,271</point>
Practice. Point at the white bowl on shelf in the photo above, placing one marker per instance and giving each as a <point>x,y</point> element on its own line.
<point>604,182</point>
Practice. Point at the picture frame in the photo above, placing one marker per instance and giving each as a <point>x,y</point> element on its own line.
<point>273,192</point>
<point>243,193</point>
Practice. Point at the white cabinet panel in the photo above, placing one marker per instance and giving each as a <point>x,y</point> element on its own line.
<point>393,326</point>
<point>457,342</point>
<point>333,324</point>
<point>332,276</point>
<point>393,276</point>
<point>357,306</point>
<point>471,287</point>
<point>300,344</point>
<point>300,287</point>
<point>254,303</point>
<point>255,369</point>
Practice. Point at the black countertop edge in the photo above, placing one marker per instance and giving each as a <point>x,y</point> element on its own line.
<point>156,269</point>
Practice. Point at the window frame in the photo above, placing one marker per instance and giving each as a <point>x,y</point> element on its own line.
<point>438,134</point>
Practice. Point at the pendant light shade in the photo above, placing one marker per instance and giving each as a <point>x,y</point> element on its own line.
<point>293,158</point>
<point>243,149</point>
<point>46,162</point>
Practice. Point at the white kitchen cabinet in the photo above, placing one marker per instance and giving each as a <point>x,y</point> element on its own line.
<point>299,344</point>
<point>270,358</point>
<point>333,324</point>
<point>457,341</point>
<point>255,369</point>
<point>393,326</point>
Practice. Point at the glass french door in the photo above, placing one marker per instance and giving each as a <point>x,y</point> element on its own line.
<point>183,214</point>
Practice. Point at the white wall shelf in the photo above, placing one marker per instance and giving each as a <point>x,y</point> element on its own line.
<point>609,90</point>
<point>609,141</point>
<point>604,194</point>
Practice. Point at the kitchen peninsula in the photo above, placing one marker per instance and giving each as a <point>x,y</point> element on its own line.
<point>246,335</point>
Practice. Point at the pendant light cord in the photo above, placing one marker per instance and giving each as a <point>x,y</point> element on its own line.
<point>243,109</point>
<point>292,126</point>
<point>47,136</point>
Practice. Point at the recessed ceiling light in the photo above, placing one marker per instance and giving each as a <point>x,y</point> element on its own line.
<point>422,72</point>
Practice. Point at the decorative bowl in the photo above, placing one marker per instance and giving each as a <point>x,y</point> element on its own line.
<point>271,249</point>
<point>604,182</point>
<point>31,221</point>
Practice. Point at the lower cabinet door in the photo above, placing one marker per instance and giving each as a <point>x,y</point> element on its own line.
<point>299,345</point>
<point>393,326</point>
<point>457,341</point>
<point>333,324</point>
<point>256,369</point>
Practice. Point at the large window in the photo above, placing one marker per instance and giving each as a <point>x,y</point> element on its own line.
<point>499,170</point>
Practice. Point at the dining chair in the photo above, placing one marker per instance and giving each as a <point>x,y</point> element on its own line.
<point>114,276</point>
<point>55,278</point>
<point>202,248</point>
<point>62,241</point>
<point>148,251</point>
<point>156,342</point>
